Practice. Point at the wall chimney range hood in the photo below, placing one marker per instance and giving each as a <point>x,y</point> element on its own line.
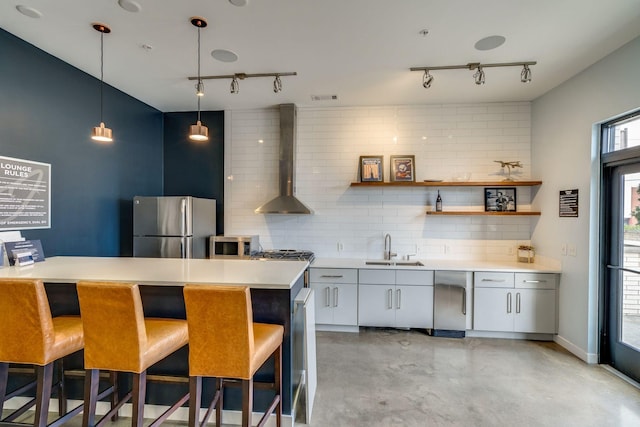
<point>286,202</point>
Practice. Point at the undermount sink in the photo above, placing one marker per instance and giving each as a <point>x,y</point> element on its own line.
<point>396,263</point>
<point>410,263</point>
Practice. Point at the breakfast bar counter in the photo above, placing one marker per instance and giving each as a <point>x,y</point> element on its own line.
<point>274,286</point>
<point>164,271</point>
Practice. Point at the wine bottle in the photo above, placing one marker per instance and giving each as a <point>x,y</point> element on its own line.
<point>439,203</point>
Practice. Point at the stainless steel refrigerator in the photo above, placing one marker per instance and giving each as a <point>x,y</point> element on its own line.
<point>172,227</point>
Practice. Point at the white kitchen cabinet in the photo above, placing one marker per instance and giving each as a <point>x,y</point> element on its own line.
<point>515,302</point>
<point>395,298</point>
<point>336,295</point>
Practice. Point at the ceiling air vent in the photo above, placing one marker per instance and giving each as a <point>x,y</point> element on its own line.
<point>324,97</point>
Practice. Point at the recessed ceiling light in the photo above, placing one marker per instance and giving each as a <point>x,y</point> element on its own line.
<point>490,42</point>
<point>224,55</point>
<point>29,11</point>
<point>239,3</point>
<point>130,5</point>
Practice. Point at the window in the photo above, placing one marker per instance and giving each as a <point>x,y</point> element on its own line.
<point>621,134</point>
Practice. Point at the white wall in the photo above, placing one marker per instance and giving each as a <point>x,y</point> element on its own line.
<point>446,140</point>
<point>564,154</point>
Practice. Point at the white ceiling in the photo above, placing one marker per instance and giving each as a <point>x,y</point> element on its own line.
<point>360,50</point>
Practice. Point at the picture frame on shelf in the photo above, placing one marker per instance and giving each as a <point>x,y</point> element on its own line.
<point>371,168</point>
<point>403,168</point>
<point>500,199</point>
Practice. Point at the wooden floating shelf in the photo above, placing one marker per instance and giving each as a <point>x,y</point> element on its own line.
<point>491,213</point>
<point>449,184</point>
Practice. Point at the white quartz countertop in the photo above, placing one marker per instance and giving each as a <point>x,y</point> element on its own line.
<point>163,271</point>
<point>436,264</point>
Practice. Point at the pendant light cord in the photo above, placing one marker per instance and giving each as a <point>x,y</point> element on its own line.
<point>101,72</point>
<point>199,80</point>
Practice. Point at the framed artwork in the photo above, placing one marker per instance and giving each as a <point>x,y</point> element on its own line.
<point>403,168</point>
<point>501,199</point>
<point>371,169</point>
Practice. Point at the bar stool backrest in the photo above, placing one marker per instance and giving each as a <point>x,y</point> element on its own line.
<point>26,327</point>
<point>220,321</point>
<point>114,329</point>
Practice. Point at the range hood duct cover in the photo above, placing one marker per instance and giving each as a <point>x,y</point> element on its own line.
<point>286,202</point>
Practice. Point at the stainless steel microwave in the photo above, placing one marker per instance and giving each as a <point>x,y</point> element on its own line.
<point>240,246</point>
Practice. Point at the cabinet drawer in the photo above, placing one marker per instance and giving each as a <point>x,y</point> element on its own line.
<point>413,277</point>
<point>377,277</point>
<point>486,279</point>
<point>334,275</point>
<point>536,280</point>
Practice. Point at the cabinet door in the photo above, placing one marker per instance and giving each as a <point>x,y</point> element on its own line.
<point>493,309</point>
<point>535,311</point>
<point>414,306</point>
<point>376,305</point>
<point>345,304</point>
<point>324,309</point>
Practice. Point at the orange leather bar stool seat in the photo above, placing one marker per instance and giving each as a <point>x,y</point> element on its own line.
<point>119,338</point>
<point>225,343</point>
<point>30,335</point>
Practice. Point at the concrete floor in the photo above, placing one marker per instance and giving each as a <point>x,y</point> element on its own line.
<point>385,377</point>
<point>405,378</point>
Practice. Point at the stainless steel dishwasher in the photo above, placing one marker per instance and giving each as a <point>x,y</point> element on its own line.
<point>450,304</point>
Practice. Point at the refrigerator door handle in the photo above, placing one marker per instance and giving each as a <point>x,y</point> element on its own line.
<point>183,211</point>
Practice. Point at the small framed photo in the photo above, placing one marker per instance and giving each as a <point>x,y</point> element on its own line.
<point>371,169</point>
<point>403,168</point>
<point>500,199</point>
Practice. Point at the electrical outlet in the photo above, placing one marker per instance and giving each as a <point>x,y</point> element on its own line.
<point>447,249</point>
<point>563,249</point>
<point>510,250</point>
<point>571,250</point>
<point>340,247</point>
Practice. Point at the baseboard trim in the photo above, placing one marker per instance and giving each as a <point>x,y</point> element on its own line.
<point>337,328</point>
<point>154,411</point>
<point>590,358</point>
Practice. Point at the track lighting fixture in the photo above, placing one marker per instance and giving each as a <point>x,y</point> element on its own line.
<point>525,75</point>
<point>101,133</point>
<point>235,86</point>
<point>479,75</point>
<point>277,84</point>
<point>427,79</point>
<point>199,88</point>
<point>199,132</point>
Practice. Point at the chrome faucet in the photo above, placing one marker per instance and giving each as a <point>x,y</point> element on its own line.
<point>387,249</point>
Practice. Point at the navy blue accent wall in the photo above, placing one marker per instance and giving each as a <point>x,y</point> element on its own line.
<point>47,111</point>
<point>195,168</point>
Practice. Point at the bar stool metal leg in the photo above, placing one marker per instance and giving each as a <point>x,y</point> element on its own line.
<point>43,393</point>
<point>139,393</point>
<point>4,377</point>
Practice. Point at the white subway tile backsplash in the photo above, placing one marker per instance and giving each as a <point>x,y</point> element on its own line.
<point>446,140</point>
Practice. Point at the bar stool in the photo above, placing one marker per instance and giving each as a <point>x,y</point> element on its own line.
<point>225,343</point>
<point>30,336</point>
<point>119,338</point>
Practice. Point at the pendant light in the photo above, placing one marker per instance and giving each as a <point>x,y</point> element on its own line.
<point>199,132</point>
<point>101,133</point>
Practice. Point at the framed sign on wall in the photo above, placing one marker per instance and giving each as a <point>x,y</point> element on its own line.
<point>25,194</point>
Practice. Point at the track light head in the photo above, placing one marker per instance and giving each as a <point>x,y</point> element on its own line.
<point>479,76</point>
<point>277,84</point>
<point>525,75</point>
<point>235,86</point>
<point>199,88</point>
<point>427,79</point>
